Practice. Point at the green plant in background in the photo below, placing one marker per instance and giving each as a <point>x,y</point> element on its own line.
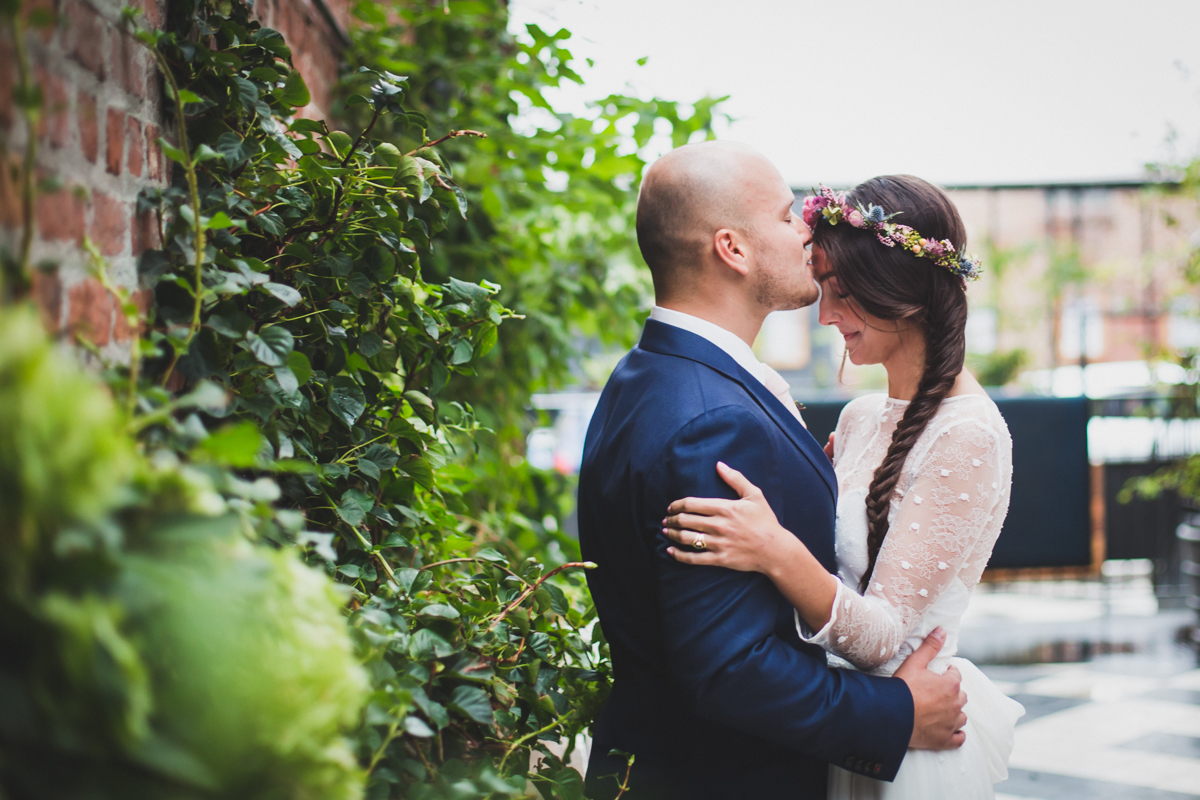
<point>999,368</point>
<point>327,320</point>
<point>552,197</point>
<point>1182,400</point>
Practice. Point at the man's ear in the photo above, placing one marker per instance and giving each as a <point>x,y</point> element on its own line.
<point>732,250</point>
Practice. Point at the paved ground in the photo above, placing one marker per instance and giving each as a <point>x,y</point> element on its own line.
<point>1122,725</point>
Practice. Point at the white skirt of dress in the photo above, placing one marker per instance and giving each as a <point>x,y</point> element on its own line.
<point>967,773</point>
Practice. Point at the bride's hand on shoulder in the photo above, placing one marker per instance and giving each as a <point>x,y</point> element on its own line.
<point>742,534</point>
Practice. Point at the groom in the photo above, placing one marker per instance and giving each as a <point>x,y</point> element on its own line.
<point>713,692</point>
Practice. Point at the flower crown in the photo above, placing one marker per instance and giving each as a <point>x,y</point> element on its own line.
<point>826,204</point>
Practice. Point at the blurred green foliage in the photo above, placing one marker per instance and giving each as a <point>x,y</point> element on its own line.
<point>552,198</point>
<point>1183,400</point>
<point>999,368</point>
<point>324,378</point>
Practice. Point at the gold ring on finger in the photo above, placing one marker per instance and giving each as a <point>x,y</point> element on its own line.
<point>700,544</point>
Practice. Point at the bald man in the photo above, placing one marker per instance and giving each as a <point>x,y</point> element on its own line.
<point>713,691</point>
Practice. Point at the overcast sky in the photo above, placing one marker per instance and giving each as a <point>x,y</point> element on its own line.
<point>956,91</point>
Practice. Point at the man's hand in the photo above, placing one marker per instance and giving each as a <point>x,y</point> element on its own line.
<point>938,700</point>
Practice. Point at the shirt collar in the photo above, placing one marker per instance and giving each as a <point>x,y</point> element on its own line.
<point>728,341</point>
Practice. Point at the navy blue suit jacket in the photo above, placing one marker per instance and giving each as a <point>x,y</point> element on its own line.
<point>713,691</point>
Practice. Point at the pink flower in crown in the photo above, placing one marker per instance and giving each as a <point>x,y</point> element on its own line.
<point>854,217</point>
<point>812,210</point>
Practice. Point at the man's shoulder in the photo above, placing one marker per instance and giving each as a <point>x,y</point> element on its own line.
<point>662,383</point>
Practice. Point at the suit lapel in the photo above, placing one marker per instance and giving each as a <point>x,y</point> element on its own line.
<point>658,337</point>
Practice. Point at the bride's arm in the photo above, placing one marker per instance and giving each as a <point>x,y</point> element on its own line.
<point>935,530</point>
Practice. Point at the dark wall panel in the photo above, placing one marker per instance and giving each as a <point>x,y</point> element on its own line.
<point>1048,523</point>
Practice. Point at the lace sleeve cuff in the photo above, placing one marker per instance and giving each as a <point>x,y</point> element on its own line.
<point>821,637</point>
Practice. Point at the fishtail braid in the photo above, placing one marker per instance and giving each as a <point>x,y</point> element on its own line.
<point>944,354</point>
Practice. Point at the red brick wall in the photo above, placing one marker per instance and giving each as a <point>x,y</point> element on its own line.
<point>102,113</point>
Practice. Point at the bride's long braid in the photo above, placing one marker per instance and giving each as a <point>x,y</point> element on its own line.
<point>944,353</point>
<point>891,284</point>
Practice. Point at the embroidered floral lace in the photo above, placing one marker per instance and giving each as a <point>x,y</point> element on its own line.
<point>946,514</point>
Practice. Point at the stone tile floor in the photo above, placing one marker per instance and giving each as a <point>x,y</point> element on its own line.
<point>1120,725</point>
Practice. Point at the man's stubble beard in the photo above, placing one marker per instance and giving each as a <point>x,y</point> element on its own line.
<point>775,291</point>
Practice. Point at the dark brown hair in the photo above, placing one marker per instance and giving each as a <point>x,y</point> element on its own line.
<point>892,284</point>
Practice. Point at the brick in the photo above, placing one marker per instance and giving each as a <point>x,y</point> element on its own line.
<point>88,36</point>
<point>114,143</point>
<point>8,81</point>
<point>110,224</point>
<point>129,66</point>
<point>154,156</point>
<point>90,312</point>
<point>151,13</point>
<point>47,295</point>
<point>29,6</point>
<point>89,127</point>
<point>121,331</point>
<point>146,235</point>
<point>59,216</point>
<point>56,118</point>
<point>11,212</point>
<point>135,146</point>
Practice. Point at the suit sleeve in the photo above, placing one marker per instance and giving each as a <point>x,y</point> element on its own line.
<point>719,624</point>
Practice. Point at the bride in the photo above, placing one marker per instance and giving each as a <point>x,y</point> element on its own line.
<point>924,474</point>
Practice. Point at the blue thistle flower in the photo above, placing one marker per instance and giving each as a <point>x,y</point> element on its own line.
<point>874,214</point>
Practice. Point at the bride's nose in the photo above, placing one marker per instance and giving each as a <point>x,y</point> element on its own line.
<point>827,314</point>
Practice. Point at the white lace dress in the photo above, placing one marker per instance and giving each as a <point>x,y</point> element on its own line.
<point>945,516</point>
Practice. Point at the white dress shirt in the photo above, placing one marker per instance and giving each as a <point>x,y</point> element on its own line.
<point>736,348</point>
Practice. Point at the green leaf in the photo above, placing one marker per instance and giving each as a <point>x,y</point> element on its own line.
<point>487,340</point>
<point>462,352</point>
<point>218,221</point>
<point>425,644</point>
<point>298,363</point>
<point>354,505</point>
<point>473,702</point>
<point>340,143</point>
<point>235,445</point>
<point>271,346</point>
<point>247,93</point>
<point>294,92</point>
<point>489,554</point>
<point>287,381</point>
<point>469,292</point>
<point>350,571</point>
<point>415,726</point>
<point>307,126</point>
<point>439,611</point>
<point>369,344</point>
<point>172,152</point>
<point>396,540</point>
<point>284,293</point>
<point>346,400</point>
<point>420,403</point>
<point>369,468</point>
<point>204,153</point>
<point>359,284</point>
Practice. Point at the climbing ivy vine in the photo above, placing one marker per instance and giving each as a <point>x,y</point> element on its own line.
<point>348,321</point>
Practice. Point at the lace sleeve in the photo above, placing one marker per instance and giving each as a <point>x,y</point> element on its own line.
<point>939,523</point>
